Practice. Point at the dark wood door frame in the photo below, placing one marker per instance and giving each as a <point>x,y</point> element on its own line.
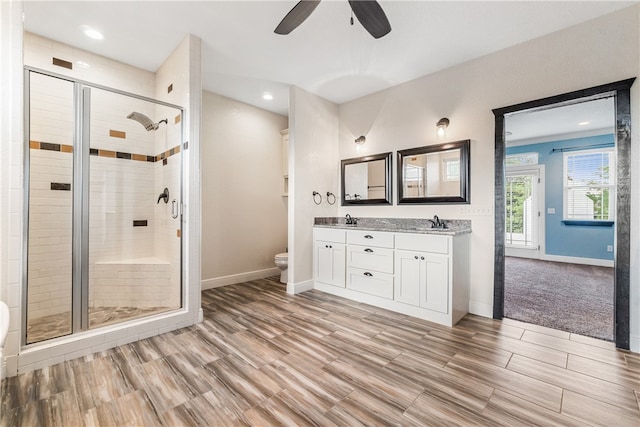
<point>621,91</point>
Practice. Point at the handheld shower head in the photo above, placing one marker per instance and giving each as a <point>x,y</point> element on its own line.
<point>146,121</point>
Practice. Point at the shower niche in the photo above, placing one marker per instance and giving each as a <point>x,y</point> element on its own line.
<point>101,250</point>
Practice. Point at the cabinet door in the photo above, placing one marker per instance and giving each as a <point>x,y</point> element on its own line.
<point>434,294</point>
<point>330,263</point>
<point>410,273</point>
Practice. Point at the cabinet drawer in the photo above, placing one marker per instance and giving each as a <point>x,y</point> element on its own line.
<point>329,234</point>
<point>370,238</point>
<point>423,242</point>
<point>374,259</point>
<point>370,282</point>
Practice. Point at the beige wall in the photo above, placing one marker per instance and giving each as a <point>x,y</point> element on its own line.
<point>596,52</point>
<point>244,215</point>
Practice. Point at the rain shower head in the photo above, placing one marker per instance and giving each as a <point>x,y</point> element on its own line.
<point>145,121</point>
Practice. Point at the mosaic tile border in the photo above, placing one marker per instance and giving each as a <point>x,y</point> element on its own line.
<point>41,145</point>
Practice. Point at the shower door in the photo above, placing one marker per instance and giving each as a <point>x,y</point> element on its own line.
<point>134,232</point>
<point>102,246</point>
<point>49,171</point>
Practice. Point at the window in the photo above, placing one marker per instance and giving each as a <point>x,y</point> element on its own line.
<point>414,180</point>
<point>589,185</point>
<point>522,159</point>
<point>451,170</point>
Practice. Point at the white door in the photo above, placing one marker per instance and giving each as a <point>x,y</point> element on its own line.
<point>435,292</point>
<point>524,211</point>
<point>330,263</point>
<point>409,276</point>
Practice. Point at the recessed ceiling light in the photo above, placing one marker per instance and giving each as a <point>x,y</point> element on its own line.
<point>92,33</point>
<point>583,123</point>
<point>267,96</point>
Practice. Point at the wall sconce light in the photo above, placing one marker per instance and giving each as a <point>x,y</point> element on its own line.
<point>360,140</point>
<point>442,125</point>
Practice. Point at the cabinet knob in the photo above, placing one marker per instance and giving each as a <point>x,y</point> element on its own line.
<point>422,258</point>
<point>368,250</point>
<point>330,246</point>
<point>366,273</point>
<point>368,236</point>
<point>416,257</point>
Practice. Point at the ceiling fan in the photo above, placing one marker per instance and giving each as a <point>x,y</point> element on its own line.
<point>368,12</point>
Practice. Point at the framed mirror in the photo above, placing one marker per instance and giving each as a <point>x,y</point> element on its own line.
<point>434,174</point>
<point>366,180</point>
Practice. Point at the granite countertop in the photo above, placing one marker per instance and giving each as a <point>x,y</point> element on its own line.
<point>397,225</point>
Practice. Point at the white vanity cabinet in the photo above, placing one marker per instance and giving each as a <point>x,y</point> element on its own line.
<point>421,275</point>
<point>329,257</point>
<point>423,271</point>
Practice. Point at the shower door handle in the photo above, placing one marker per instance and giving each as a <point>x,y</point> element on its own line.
<point>174,209</point>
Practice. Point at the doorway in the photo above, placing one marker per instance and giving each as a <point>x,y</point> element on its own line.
<point>524,190</point>
<point>620,91</point>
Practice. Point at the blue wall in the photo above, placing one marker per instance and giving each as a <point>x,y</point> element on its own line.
<point>561,239</point>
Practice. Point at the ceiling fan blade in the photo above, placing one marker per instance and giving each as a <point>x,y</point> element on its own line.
<point>296,16</point>
<point>371,16</point>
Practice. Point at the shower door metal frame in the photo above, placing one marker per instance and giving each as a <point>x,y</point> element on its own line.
<point>80,198</point>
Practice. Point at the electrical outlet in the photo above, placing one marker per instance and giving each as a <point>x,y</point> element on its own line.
<point>609,248</point>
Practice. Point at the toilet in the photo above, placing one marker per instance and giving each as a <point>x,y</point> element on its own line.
<point>282,262</point>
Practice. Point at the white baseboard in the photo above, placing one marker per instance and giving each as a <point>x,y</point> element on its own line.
<point>216,282</point>
<point>200,315</point>
<point>296,288</point>
<point>481,309</point>
<point>634,344</point>
<point>578,260</point>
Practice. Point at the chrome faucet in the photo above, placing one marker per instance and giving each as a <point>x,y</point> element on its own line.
<point>436,223</point>
<point>351,221</point>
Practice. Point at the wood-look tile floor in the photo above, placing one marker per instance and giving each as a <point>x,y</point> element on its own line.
<point>262,357</point>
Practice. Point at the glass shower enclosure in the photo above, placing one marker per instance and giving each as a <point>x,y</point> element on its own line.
<point>103,225</point>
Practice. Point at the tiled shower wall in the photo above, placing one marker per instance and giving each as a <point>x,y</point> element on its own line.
<point>130,167</point>
<point>50,221</point>
<point>49,290</point>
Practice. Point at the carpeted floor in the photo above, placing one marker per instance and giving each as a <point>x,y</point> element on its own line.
<point>570,297</point>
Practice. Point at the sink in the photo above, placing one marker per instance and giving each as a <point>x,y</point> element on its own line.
<point>433,228</point>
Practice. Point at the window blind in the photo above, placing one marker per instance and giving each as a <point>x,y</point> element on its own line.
<point>589,185</point>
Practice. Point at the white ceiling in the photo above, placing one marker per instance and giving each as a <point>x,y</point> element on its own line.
<point>595,117</point>
<point>243,58</point>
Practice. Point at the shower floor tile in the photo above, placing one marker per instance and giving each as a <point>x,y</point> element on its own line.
<point>57,325</point>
